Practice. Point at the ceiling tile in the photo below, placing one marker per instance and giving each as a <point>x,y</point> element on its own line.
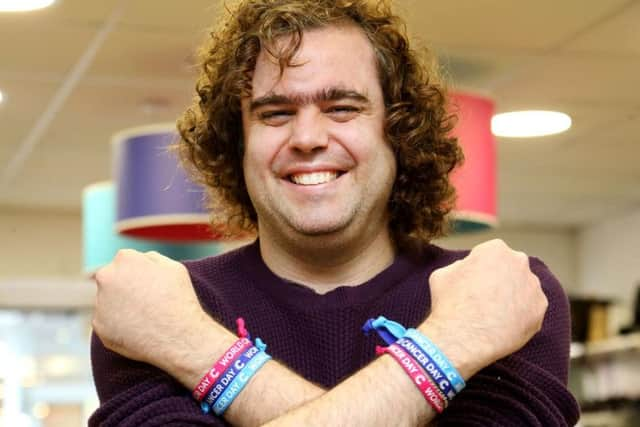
<point>130,53</point>
<point>575,78</point>
<point>172,15</point>
<point>617,36</point>
<point>503,24</point>
<point>62,13</point>
<point>51,50</point>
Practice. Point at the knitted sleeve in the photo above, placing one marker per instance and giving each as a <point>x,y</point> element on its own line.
<point>527,388</point>
<point>135,394</point>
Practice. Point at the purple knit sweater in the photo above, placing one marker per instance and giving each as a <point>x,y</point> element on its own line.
<point>319,336</point>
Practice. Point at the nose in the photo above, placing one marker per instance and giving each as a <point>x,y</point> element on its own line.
<point>309,131</point>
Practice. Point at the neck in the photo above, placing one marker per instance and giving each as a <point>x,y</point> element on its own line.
<point>322,263</point>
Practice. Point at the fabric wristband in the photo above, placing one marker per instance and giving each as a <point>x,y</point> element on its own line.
<point>430,349</point>
<point>391,331</point>
<point>429,391</point>
<point>388,330</point>
<point>240,381</point>
<point>431,368</point>
<point>213,375</point>
<point>207,381</point>
<point>225,380</point>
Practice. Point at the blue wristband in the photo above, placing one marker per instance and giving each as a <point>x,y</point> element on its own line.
<point>438,357</point>
<point>391,331</point>
<point>388,330</point>
<point>239,382</point>
<point>431,368</point>
<point>229,375</point>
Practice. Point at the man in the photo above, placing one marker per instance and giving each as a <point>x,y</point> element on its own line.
<point>319,128</point>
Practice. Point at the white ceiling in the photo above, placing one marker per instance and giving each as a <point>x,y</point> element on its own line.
<point>578,56</point>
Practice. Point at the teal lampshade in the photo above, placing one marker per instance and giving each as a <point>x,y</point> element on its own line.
<point>101,241</point>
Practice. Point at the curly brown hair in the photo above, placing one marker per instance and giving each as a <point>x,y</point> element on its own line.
<point>417,122</point>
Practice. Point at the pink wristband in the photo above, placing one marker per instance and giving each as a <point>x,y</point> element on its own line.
<point>419,378</point>
<point>227,359</point>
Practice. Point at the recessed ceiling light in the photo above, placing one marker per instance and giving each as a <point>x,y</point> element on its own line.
<point>1,97</point>
<point>527,124</point>
<point>23,5</point>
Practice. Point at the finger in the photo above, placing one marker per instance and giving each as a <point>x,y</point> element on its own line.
<point>155,256</point>
<point>102,274</point>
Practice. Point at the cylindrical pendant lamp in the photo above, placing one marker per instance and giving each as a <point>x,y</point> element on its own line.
<point>475,181</point>
<point>156,199</point>
<point>101,241</point>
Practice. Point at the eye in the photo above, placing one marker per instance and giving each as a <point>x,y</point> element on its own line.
<point>342,113</point>
<point>275,117</point>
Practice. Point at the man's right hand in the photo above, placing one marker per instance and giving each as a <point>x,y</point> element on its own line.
<point>485,306</point>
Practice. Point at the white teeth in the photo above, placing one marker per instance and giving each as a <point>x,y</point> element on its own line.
<point>314,178</point>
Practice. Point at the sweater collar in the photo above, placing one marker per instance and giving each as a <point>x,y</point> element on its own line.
<point>305,298</point>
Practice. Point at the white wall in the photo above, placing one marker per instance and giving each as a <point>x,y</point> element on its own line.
<point>36,246</point>
<point>50,244</point>
<point>40,261</point>
<point>40,244</point>
<point>556,247</point>
<point>609,260</point>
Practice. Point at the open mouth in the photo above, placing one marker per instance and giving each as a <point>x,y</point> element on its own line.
<point>315,178</point>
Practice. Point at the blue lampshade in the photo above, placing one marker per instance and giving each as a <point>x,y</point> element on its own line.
<point>101,241</point>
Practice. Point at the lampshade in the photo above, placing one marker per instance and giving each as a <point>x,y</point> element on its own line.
<point>101,241</point>
<point>156,199</point>
<point>475,181</point>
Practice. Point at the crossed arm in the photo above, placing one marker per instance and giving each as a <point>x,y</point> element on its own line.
<point>379,394</point>
<point>183,342</point>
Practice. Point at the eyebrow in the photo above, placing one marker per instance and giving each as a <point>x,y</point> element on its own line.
<point>324,95</point>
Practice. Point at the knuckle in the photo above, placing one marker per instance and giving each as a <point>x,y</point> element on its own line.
<point>122,254</point>
<point>535,286</point>
<point>438,277</point>
<point>493,245</point>
<point>95,325</point>
<point>536,282</point>
<point>181,267</point>
<point>498,244</point>
<point>101,275</point>
<point>521,258</point>
<point>439,274</point>
<point>545,303</point>
<point>435,276</point>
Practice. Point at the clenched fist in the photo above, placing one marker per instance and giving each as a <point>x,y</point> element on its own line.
<point>145,306</point>
<point>485,306</point>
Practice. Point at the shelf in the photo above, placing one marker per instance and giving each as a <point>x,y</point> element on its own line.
<point>609,347</point>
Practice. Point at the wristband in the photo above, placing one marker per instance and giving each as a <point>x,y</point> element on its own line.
<point>431,368</point>
<point>239,347</point>
<point>214,374</point>
<point>438,357</point>
<point>430,392</point>
<point>391,331</point>
<point>229,375</point>
<point>388,330</point>
<point>241,380</point>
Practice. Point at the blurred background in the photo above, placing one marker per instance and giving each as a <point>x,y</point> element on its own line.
<point>75,73</point>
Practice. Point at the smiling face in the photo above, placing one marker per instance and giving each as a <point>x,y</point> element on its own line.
<point>316,162</point>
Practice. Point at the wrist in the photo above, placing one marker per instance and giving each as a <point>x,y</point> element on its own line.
<point>190,357</point>
<point>464,356</point>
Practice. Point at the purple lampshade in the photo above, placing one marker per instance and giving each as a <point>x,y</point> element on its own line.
<point>156,199</point>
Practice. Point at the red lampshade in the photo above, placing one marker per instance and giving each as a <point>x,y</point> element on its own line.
<point>475,181</point>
